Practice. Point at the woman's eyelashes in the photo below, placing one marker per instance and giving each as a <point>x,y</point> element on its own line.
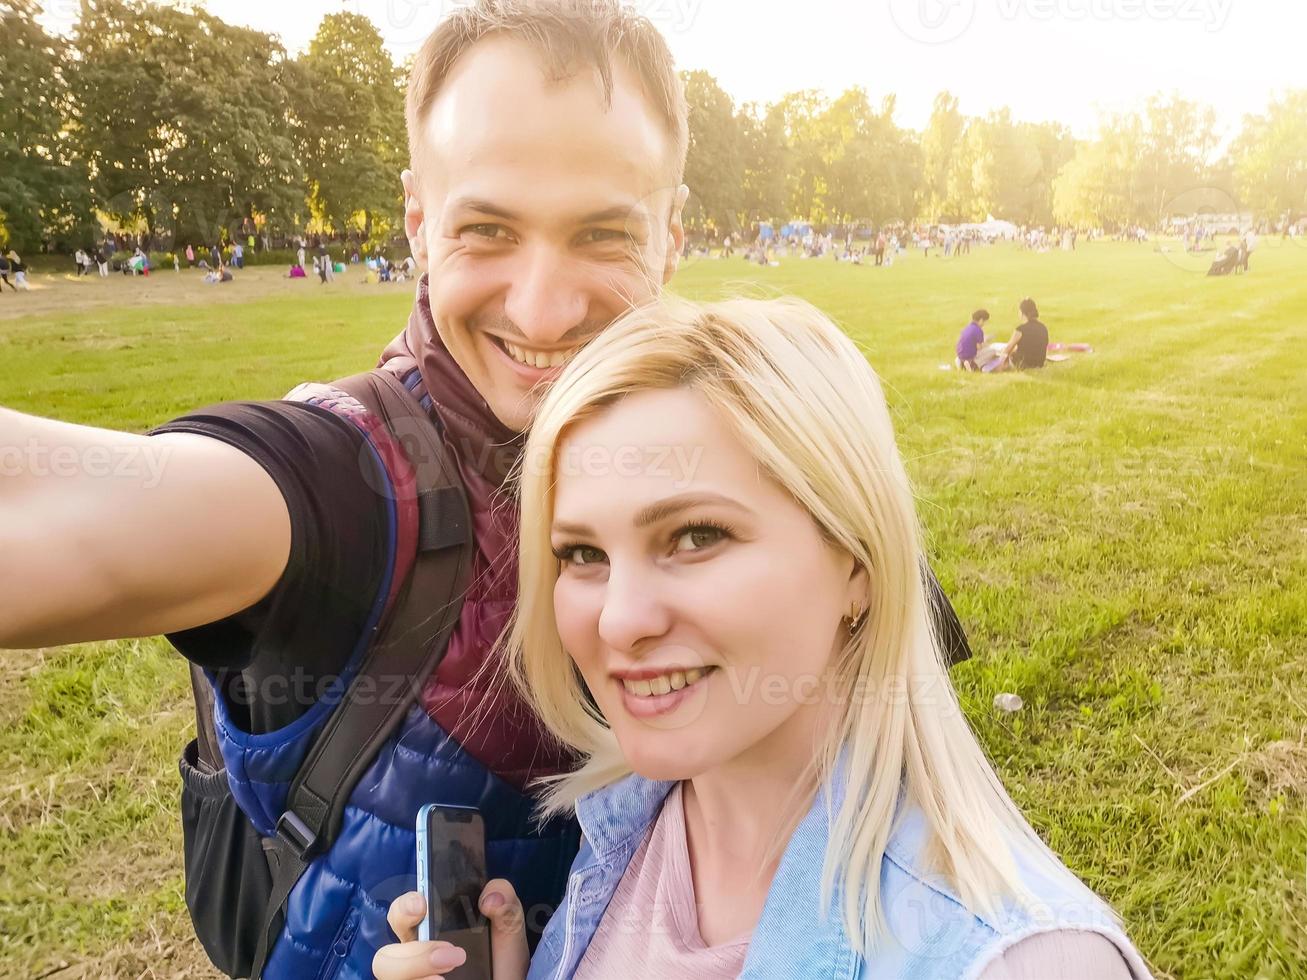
<point>578,554</point>
<point>699,536</point>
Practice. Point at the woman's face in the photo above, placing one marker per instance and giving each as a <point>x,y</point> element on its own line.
<point>699,601</point>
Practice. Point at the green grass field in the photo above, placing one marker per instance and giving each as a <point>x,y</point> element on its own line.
<point>1124,535</point>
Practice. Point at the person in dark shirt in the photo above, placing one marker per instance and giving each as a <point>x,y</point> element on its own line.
<point>1028,347</point>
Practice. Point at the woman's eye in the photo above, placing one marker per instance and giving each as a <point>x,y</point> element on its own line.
<point>583,555</point>
<point>695,538</point>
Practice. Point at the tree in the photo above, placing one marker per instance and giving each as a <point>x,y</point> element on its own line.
<point>1269,159</point>
<point>184,120</point>
<point>1098,187</point>
<point>869,163</point>
<point>43,185</point>
<point>1178,138</point>
<point>766,162</point>
<point>351,127</point>
<point>805,173</point>
<point>714,165</point>
<point>940,145</point>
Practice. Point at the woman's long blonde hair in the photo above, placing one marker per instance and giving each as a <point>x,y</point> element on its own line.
<point>804,401</point>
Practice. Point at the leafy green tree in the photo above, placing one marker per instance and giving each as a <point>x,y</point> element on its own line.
<point>941,143</point>
<point>1269,159</point>
<point>766,152</point>
<point>1178,137</point>
<point>350,104</point>
<point>871,165</point>
<point>805,176</point>
<point>184,120</point>
<point>714,166</point>
<point>43,185</point>
<point>1099,186</point>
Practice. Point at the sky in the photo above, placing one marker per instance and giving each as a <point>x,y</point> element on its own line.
<point>1054,60</point>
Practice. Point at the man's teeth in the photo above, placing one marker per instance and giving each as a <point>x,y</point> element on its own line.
<point>664,683</point>
<point>537,358</point>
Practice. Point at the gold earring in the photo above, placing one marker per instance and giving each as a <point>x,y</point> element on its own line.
<point>855,617</point>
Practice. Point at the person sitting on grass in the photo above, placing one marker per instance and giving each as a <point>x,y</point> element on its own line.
<point>1028,347</point>
<point>4,274</point>
<point>704,640</point>
<point>971,340</point>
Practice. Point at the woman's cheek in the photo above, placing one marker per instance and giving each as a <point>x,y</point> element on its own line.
<point>578,623</point>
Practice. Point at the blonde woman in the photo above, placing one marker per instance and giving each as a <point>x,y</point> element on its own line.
<point>722,612</point>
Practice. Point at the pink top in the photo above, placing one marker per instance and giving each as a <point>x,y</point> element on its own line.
<point>653,921</point>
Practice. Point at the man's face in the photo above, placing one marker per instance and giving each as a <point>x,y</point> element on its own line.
<point>542,216</point>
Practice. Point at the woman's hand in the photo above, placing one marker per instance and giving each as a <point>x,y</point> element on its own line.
<point>410,959</point>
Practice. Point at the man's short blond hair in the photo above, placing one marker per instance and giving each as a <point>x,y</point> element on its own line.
<point>569,36</point>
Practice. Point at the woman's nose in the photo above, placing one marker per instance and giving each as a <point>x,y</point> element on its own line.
<point>633,611</point>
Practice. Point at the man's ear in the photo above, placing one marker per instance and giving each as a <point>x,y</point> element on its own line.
<point>414,219</point>
<point>675,234</point>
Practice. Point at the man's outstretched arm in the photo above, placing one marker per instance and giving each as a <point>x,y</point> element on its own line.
<point>106,534</point>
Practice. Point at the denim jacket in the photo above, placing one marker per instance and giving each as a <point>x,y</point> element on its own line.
<point>931,934</point>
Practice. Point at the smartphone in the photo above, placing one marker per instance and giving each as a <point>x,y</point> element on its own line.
<point>451,874</point>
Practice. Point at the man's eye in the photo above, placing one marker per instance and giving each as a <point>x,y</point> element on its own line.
<point>698,537</point>
<point>596,236</point>
<point>484,231</point>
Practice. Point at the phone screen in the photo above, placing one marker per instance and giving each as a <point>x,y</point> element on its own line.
<point>451,874</point>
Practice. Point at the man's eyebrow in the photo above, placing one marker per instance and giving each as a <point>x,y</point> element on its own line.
<point>483,206</point>
<point>660,510</point>
<point>618,212</point>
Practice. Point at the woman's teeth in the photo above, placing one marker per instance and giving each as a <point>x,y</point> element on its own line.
<point>537,358</point>
<point>664,683</point>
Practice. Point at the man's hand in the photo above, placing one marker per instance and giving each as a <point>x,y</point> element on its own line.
<point>410,959</point>
<point>107,534</point>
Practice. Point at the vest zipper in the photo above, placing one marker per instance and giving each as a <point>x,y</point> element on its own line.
<point>340,946</point>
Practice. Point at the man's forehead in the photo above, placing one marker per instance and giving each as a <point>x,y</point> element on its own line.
<point>497,115</point>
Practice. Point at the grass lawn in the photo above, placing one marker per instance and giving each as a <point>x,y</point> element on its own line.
<point>1123,534</point>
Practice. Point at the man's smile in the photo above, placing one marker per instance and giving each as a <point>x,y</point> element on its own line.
<point>540,362</point>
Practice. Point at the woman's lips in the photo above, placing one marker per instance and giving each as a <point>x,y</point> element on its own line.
<point>649,693</point>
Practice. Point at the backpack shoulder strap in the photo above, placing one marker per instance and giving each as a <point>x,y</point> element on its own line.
<point>408,647</point>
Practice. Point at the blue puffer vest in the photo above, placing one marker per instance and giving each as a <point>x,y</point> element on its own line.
<point>336,915</point>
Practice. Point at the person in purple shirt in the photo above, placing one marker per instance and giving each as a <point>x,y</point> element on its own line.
<point>969,343</point>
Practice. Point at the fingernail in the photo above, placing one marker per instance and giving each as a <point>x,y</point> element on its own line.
<point>494,900</point>
<point>448,957</point>
<point>414,905</point>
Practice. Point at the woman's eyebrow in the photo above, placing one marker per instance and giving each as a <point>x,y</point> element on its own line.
<point>659,510</point>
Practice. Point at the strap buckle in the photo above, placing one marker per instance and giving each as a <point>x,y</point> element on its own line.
<point>296,834</point>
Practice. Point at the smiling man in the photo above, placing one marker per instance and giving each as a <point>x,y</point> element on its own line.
<point>547,144</point>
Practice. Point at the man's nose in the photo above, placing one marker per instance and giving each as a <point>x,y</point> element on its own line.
<point>546,297</point>
<point>633,611</point>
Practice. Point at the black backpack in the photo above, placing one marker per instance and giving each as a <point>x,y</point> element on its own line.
<point>237,882</point>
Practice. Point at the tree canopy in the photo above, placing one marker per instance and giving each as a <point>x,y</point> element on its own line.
<point>166,119</point>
